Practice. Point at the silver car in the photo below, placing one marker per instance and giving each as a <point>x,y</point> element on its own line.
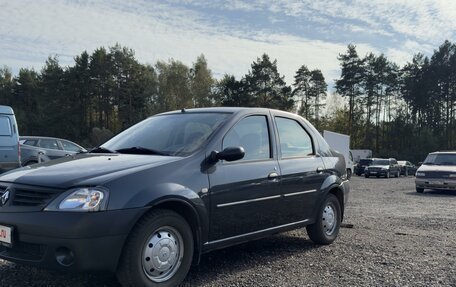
<point>41,149</point>
<point>438,171</point>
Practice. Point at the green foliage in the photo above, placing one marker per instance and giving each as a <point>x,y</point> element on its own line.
<point>397,112</point>
<point>405,112</point>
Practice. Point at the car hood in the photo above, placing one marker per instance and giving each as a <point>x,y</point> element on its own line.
<point>378,166</point>
<point>83,169</point>
<point>447,168</point>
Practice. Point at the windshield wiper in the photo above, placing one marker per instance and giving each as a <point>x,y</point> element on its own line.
<point>100,149</point>
<point>140,150</point>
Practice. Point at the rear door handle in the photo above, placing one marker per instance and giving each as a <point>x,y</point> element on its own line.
<point>273,175</point>
<point>320,169</point>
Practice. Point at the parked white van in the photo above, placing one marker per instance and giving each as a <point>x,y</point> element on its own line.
<point>10,153</point>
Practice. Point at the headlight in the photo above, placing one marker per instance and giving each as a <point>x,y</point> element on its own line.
<point>86,199</point>
<point>420,174</point>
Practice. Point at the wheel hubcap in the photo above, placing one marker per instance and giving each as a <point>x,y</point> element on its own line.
<point>162,254</point>
<point>329,220</point>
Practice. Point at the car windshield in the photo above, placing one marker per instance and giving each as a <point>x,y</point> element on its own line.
<point>401,162</point>
<point>440,159</point>
<point>380,162</point>
<point>170,134</point>
<point>365,161</point>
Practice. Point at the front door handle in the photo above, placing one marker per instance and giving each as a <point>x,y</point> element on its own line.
<point>273,175</point>
<point>320,169</point>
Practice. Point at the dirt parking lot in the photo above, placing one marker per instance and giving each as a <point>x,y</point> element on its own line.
<point>398,238</point>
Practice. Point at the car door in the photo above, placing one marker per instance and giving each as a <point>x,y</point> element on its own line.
<point>302,170</point>
<point>244,194</point>
<point>50,148</point>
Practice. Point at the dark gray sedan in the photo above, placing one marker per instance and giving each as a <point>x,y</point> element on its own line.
<point>41,149</point>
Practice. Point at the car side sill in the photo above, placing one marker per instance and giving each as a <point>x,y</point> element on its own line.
<point>237,239</point>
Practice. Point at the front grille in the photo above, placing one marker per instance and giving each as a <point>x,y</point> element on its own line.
<point>439,174</point>
<point>374,169</point>
<point>32,196</point>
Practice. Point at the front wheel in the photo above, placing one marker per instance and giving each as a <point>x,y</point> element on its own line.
<point>419,190</point>
<point>326,227</point>
<point>158,252</point>
<point>349,173</point>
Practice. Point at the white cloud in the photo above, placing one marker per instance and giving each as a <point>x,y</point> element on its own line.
<point>155,31</point>
<point>158,30</point>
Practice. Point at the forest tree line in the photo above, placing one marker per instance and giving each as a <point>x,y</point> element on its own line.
<point>403,112</point>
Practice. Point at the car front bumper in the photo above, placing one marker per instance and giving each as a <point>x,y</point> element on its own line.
<point>436,183</point>
<point>382,172</point>
<point>68,240</point>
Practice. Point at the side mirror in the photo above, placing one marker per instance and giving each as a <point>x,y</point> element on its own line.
<point>228,154</point>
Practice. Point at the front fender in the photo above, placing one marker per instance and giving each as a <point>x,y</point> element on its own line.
<point>179,198</point>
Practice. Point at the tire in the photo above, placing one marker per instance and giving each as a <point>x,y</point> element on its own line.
<point>366,176</point>
<point>326,227</point>
<point>419,190</point>
<point>349,173</point>
<point>137,266</point>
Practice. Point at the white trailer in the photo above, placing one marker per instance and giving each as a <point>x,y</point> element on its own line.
<point>361,153</point>
<point>341,143</point>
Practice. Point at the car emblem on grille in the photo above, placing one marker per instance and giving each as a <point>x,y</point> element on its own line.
<point>5,197</point>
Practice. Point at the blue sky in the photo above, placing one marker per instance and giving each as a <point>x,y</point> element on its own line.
<point>231,34</point>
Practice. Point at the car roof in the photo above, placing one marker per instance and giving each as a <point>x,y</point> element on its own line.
<point>48,138</point>
<point>444,152</point>
<point>233,110</point>
<point>6,110</point>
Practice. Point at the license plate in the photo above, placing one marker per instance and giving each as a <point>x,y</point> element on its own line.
<point>437,182</point>
<point>6,236</point>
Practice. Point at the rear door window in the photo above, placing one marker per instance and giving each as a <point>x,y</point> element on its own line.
<point>49,144</point>
<point>5,126</point>
<point>294,139</point>
<point>30,142</point>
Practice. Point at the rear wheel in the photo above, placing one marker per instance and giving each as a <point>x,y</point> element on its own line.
<point>419,190</point>
<point>326,227</point>
<point>158,252</point>
<point>366,175</point>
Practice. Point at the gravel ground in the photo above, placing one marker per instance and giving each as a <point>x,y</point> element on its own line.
<point>398,238</point>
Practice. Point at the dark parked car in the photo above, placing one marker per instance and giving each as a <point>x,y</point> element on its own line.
<point>438,171</point>
<point>361,165</point>
<point>386,167</point>
<point>150,201</point>
<point>407,168</point>
<point>41,149</point>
